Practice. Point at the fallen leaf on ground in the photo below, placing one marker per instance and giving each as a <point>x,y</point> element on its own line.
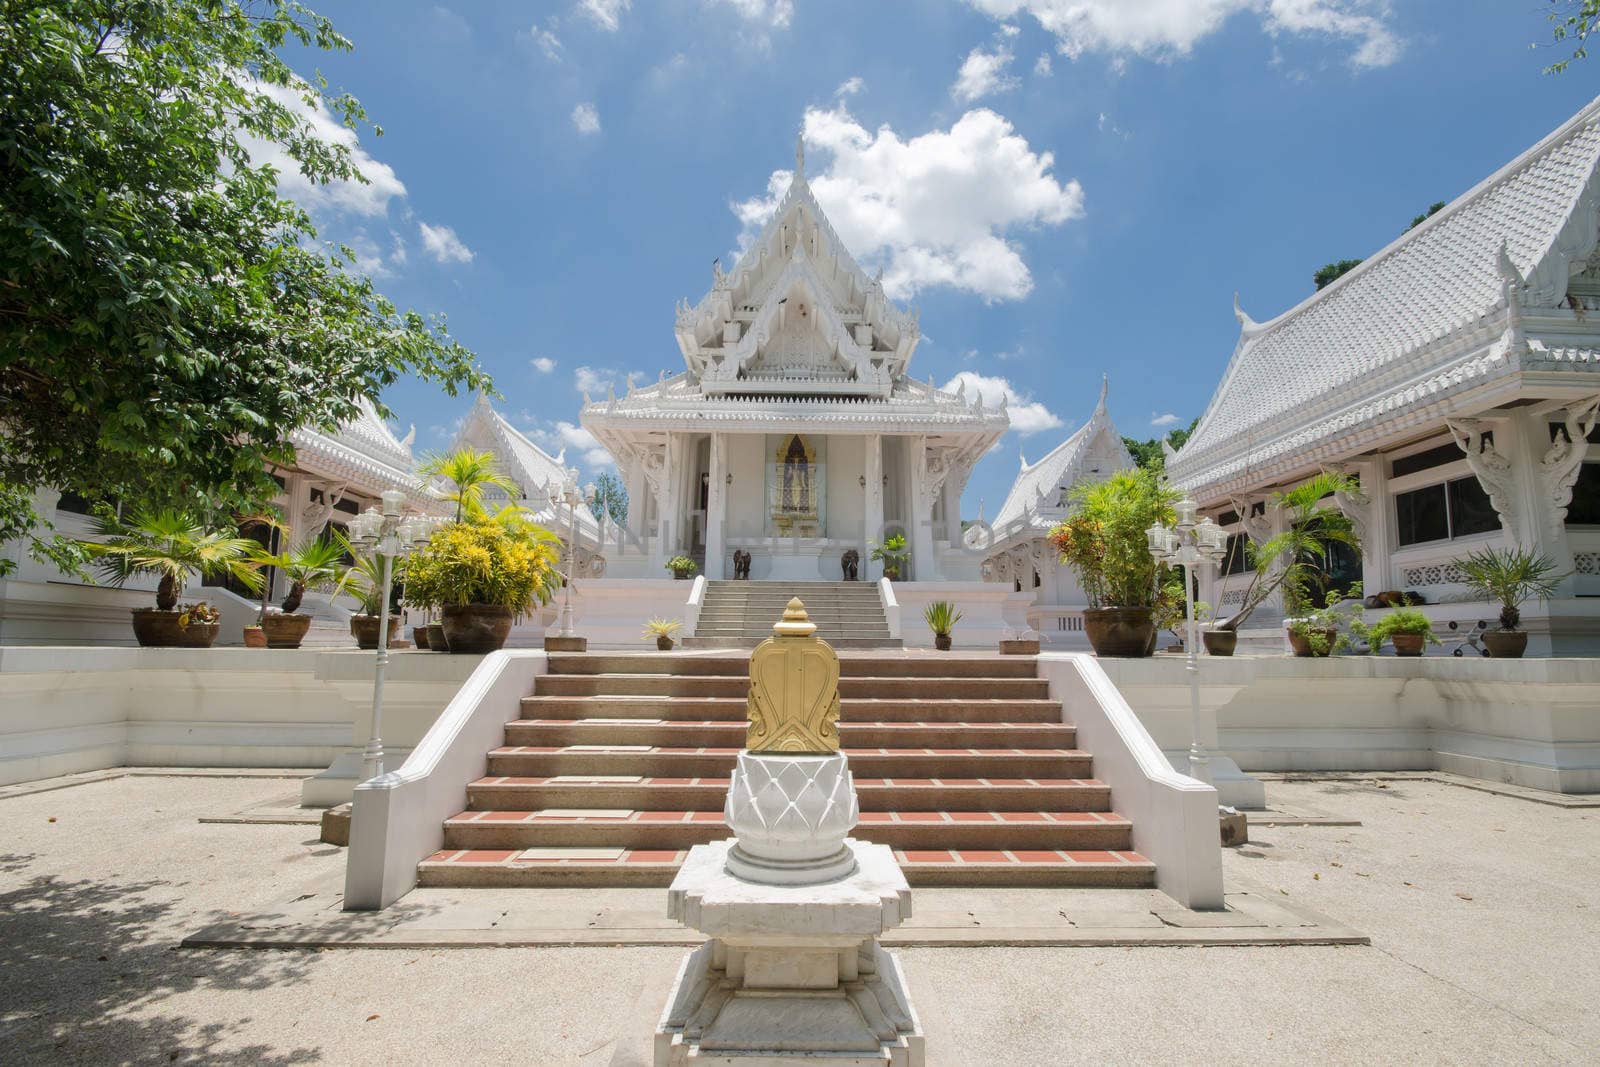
<point>1463,896</point>
<point>371,1017</point>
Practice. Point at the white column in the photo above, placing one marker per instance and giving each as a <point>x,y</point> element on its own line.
<point>923,564</point>
<point>716,509</point>
<point>872,521</point>
<point>1377,543</point>
<point>1543,525</point>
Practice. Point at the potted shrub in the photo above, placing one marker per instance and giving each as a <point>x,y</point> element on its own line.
<point>1410,631</point>
<point>363,579</point>
<point>682,567</point>
<point>313,565</point>
<point>1510,576</point>
<point>176,547</point>
<point>199,625</point>
<point>483,575</point>
<point>1298,557</point>
<point>1317,633</point>
<point>1104,543</point>
<point>893,554</point>
<point>942,617</point>
<point>663,631</point>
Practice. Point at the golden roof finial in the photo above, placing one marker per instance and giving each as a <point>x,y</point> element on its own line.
<point>794,689</point>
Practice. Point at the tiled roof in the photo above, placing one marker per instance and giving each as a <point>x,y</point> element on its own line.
<point>1339,351</point>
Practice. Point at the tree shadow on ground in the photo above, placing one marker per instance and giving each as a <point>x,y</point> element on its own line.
<point>86,967</point>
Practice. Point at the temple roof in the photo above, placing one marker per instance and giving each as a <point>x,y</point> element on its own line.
<point>364,455</point>
<point>797,314</point>
<point>1408,323</point>
<point>531,467</point>
<point>1035,502</point>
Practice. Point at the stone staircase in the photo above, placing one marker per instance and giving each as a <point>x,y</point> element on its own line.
<point>740,614</point>
<point>620,764</point>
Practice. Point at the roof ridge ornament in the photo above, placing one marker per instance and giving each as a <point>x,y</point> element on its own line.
<point>1105,386</point>
<point>1246,323</point>
<point>1508,269</point>
<point>800,156</point>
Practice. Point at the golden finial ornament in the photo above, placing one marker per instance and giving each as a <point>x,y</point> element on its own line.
<point>794,689</point>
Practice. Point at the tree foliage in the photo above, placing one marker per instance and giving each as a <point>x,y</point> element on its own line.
<point>1571,23</point>
<point>1329,273</point>
<point>610,498</point>
<point>166,317</point>
<point>1433,209</point>
<point>1103,539</point>
<point>1149,453</point>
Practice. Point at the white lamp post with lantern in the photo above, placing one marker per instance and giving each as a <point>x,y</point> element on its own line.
<point>1189,544</point>
<point>389,536</point>
<point>566,638</point>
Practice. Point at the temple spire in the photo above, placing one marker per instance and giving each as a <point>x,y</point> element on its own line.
<point>800,156</point>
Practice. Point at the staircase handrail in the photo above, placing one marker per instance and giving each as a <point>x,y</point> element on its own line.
<point>891,607</point>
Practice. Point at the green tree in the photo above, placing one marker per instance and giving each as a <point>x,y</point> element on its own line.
<point>1149,454</point>
<point>610,498</point>
<point>1433,209</point>
<point>166,318</point>
<point>1329,273</point>
<point>1572,21</point>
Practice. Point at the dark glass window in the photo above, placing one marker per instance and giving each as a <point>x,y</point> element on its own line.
<point>1422,515</point>
<point>74,504</point>
<point>1433,457</point>
<point>1227,518</point>
<point>1237,561</point>
<point>1585,507</point>
<point>1470,510</point>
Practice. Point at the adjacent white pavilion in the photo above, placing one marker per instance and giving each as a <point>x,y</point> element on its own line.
<point>1456,372</point>
<point>795,431</point>
<point>1015,548</point>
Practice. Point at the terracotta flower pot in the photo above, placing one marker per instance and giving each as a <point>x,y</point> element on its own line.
<point>1220,642</point>
<point>664,643</point>
<point>682,576</point>
<point>1505,644</point>
<point>1017,646</point>
<point>1302,645</point>
<point>436,639</point>
<point>255,637</point>
<point>364,628</point>
<point>285,629</point>
<point>200,634</point>
<point>419,636</point>
<point>1120,631</point>
<point>941,642</point>
<point>154,628</point>
<point>476,627</point>
<point>1408,644</point>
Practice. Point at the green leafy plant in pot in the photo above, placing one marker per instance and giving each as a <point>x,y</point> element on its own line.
<point>1320,633</point>
<point>482,576</point>
<point>175,547</point>
<point>661,631</point>
<point>1512,576</point>
<point>363,579</point>
<point>1103,540</point>
<point>682,567</point>
<point>311,565</point>
<point>1409,630</point>
<point>893,553</point>
<point>941,616</point>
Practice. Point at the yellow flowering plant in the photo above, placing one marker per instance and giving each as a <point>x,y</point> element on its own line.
<point>510,564</point>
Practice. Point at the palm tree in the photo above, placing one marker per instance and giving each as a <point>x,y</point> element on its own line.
<point>176,547</point>
<point>471,472</point>
<point>312,565</point>
<point>1301,554</point>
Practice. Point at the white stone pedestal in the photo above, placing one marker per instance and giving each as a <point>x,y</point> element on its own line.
<point>792,973</point>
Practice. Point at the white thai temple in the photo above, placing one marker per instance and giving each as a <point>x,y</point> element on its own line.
<point>1015,546</point>
<point>795,431</point>
<point>1456,372</point>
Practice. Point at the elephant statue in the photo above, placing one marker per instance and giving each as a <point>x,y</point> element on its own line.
<point>741,565</point>
<point>851,564</point>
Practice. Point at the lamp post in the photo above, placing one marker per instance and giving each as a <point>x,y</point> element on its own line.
<point>1189,544</point>
<point>390,537</point>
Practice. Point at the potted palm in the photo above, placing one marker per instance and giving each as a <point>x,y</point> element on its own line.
<point>483,575</point>
<point>1103,540</point>
<point>1510,576</point>
<point>470,473</point>
<point>662,632</point>
<point>681,567</point>
<point>893,554</point>
<point>313,565</point>
<point>1300,556</point>
<point>942,617</point>
<point>175,547</point>
<point>363,579</point>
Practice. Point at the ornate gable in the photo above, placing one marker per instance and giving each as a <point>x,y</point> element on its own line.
<point>796,315</point>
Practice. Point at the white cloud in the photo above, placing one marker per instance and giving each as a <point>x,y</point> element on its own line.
<point>607,14</point>
<point>547,40</point>
<point>1165,29</point>
<point>443,245</point>
<point>933,210</point>
<point>543,364</point>
<point>585,119</point>
<point>1162,420</point>
<point>356,198</point>
<point>849,87</point>
<point>1107,125</point>
<point>563,435</point>
<point>1041,66</point>
<point>450,24</point>
<point>773,13</point>
<point>982,74</point>
<point>598,381</point>
<point>1027,414</point>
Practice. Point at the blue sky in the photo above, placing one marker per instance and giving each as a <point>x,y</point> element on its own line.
<point>1064,188</point>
